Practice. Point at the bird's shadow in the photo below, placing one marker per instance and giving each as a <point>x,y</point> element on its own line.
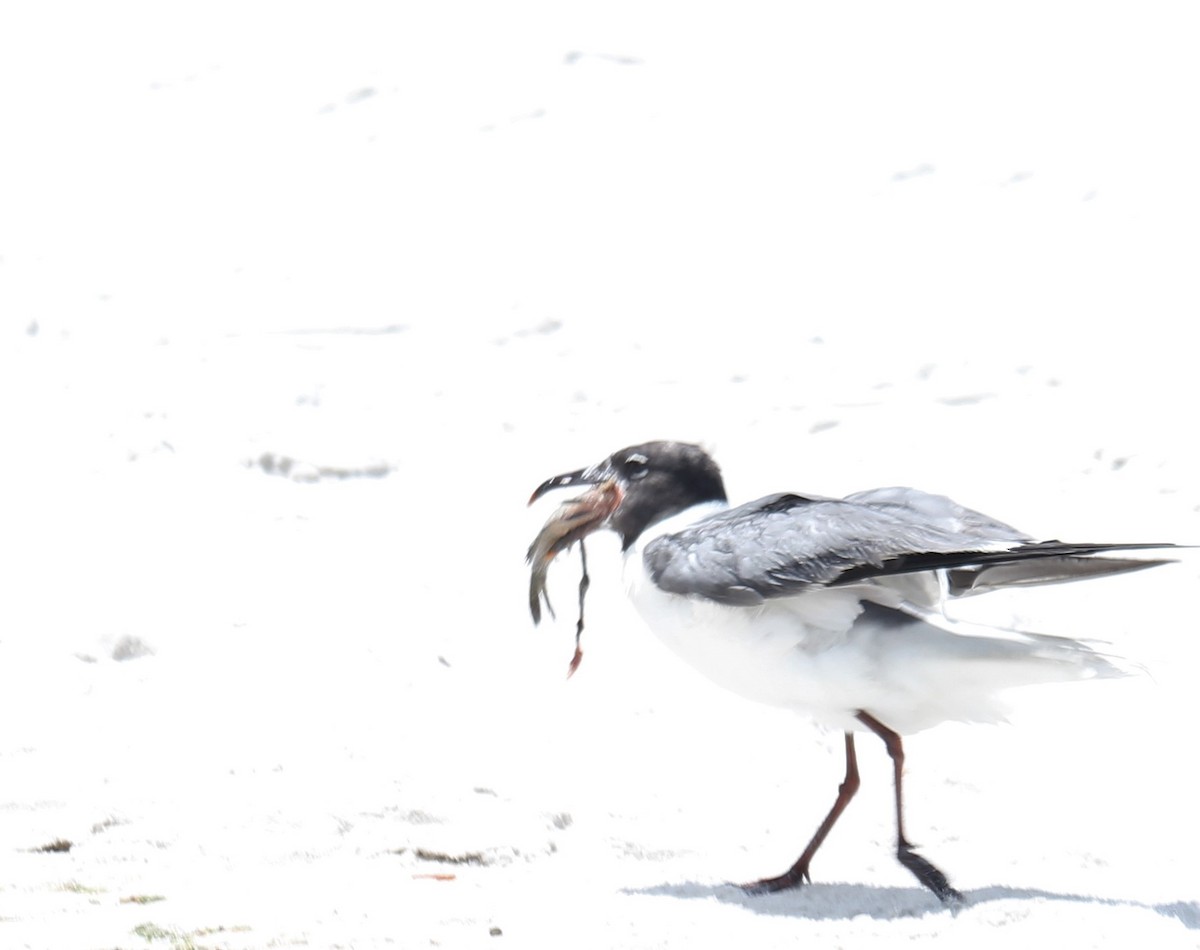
<point>846,901</point>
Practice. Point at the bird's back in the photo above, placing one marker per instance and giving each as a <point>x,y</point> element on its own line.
<point>883,645</point>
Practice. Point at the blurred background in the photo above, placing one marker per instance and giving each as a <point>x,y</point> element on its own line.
<point>298,302</point>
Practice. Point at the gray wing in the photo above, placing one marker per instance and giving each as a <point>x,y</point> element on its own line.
<point>785,544</point>
<point>918,507</point>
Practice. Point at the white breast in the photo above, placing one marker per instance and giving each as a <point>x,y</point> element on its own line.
<point>816,653</point>
<point>790,652</point>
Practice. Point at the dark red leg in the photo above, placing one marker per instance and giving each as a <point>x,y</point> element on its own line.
<point>797,874</point>
<point>925,872</point>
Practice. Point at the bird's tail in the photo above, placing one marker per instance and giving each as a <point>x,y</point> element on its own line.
<point>1030,569</point>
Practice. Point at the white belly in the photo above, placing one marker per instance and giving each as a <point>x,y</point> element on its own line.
<point>774,654</point>
<point>816,653</point>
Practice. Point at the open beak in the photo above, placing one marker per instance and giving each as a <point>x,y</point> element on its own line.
<point>595,475</point>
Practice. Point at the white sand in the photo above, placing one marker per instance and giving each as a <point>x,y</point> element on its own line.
<point>844,245</point>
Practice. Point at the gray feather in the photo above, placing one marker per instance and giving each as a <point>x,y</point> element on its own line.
<point>784,544</point>
<point>1050,570</point>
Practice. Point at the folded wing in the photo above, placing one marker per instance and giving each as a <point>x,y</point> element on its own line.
<point>785,544</point>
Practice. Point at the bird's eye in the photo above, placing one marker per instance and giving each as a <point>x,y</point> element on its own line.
<point>637,466</point>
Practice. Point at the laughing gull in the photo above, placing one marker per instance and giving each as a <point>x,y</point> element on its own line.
<point>836,607</point>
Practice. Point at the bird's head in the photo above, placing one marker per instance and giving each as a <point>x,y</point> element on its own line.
<point>656,479</point>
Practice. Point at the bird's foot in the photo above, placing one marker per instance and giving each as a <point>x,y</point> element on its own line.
<point>929,875</point>
<point>793,877</point>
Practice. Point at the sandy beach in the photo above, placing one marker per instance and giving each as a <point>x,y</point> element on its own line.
<point>298,304</point>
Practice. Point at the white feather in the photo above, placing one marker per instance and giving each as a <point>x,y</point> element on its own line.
<point>817,653</point>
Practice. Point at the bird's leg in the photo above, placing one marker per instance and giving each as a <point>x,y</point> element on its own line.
<point>925,872</point>
<point>797,874</point>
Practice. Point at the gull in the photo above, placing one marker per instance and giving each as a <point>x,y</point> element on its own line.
<point>834,608</point>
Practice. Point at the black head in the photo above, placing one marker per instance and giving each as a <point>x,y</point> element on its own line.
<point>657,480</point>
